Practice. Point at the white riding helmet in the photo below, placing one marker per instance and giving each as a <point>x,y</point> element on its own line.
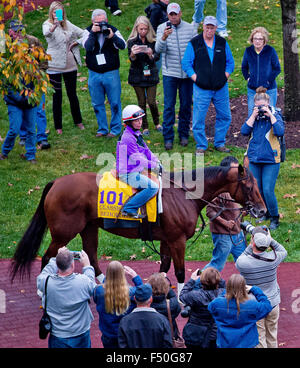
<point>132,112</point>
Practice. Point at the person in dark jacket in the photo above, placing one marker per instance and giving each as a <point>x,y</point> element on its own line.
<point>113,6</point>
<point>200,330</point>
<point>161,291</point>
<point>102,59</point>
<point>143,73</point>
<point>264,126</point>
<point>144,327</point>
<point>20,111</point>
<point>157,12</point>
<point>260,66</point>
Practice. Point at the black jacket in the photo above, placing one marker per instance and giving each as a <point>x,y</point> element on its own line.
<point>144,328</point>
<point>136,75</point>
<point>198,299</point>
<point>110,49</point>
<point>159,303</point>
<point>157,14</point>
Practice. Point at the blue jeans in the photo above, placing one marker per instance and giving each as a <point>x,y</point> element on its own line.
<point>223,246</point>
<point>266,176</point>
<point>17,117</point>
<point>148,189</point>
<point>185,87</point>
<point>250,94</point>
<point>221,13</point>
<point>109,84</point>
<point>41,123</point>
<point>202,99</point>
<point>80,341</point>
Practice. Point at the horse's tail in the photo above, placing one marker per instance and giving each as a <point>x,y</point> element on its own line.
<point>30,243</point>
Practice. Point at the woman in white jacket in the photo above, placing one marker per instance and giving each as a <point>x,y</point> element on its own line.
<point>61,36</point>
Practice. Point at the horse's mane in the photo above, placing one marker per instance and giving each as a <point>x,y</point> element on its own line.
<point>210,173</point>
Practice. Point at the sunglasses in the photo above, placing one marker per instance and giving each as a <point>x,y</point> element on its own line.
<point>136,115</point>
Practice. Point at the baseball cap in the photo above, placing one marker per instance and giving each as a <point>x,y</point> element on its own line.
<point>143,292</point>
<point>210,20</point>
<point>262,240</point>
<point>173,8</point>
<point>16,25</point>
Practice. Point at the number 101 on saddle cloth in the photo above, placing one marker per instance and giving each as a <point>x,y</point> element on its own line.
<point>113,194</point>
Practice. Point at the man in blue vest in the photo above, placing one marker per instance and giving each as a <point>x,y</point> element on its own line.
<point>208,61</point>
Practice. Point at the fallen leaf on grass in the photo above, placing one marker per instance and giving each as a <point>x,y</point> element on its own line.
<point>290,195</point>
<point>10,184</point>
<point>294,166</point>
<point>85,157</point>
<point>298,211</point>
<point>30,191</point>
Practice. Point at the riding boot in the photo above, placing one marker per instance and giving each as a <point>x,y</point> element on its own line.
<point>274,222</point>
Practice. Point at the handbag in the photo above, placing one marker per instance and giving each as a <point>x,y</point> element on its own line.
<point>178,343</point>
<point>45,324</point>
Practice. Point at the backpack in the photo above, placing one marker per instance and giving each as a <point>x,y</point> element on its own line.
<point>282,138</point>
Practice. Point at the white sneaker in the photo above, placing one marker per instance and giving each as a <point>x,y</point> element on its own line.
<point>223,34</point>
<point>117,12</point>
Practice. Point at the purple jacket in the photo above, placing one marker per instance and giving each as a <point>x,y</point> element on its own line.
<point>133,155</point>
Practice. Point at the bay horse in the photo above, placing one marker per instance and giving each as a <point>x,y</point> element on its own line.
<point>68,207</point>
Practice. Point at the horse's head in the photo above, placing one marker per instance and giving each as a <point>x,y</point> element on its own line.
<point>245,191</point>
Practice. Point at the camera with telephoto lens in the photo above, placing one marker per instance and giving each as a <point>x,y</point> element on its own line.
<point>247,226</point>
<point>103,28</point>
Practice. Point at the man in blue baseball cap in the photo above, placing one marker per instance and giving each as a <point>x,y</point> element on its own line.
<point>144,327</point>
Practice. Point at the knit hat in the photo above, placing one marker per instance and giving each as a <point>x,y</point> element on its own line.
<point>261,239</point>
<point>210,20</point>
<point>143,292</point>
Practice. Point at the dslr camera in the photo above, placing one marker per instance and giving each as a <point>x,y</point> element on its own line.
<point>103,28</point>
<point>248,227</point>
<point>261,112</point>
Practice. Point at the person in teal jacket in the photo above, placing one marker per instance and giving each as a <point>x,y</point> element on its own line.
<point>264,126</point>
<point>237,312</point>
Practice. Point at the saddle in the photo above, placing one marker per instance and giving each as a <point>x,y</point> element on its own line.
<point>114,193</point>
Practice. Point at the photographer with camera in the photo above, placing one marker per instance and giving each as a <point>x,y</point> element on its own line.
<point>259,268</point>
<point>102,43</point>
<point>264,126</point>
<point>68,295</point>
<point>203,287</point>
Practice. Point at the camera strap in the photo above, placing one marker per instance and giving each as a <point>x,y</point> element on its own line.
<point>257,256</point>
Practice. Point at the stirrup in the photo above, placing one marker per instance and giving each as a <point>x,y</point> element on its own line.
<point>133,215</point>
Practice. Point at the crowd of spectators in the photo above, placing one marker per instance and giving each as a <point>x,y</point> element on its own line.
<point>242,313</point>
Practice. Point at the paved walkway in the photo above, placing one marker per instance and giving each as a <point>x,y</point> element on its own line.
<point>20,309</point>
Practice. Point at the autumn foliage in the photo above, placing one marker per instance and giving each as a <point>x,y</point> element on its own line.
<point>20,62</point>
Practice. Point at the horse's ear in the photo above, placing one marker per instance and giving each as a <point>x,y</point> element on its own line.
<point>241,170</point>
<point>246,162</point>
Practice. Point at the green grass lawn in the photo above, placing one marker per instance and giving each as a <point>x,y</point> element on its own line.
<point>22,184</point>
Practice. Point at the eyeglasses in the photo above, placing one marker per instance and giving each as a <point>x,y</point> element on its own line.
<point>258,39</point>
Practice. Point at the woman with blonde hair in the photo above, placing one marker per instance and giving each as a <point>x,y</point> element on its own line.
<point>161,292</point>
<point>264,126</point>
<point>260,66</point>
<point>114,299</point>
<point>143,73</point>
<point>62,37</point>
<point>237,312</point>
